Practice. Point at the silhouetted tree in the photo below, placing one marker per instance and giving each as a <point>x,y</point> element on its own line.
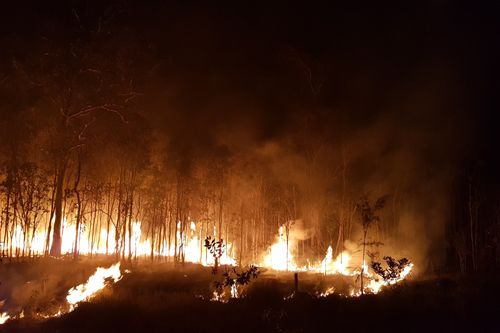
<point>367,213</point>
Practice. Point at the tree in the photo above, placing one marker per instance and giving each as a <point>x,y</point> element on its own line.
<point>216,248</point>
<point>78,81</point>
<point>32,188</point>
<point>473,204</point>
<point>367,213</point>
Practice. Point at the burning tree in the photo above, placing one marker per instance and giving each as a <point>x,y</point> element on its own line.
<point>32,188</point>
<point>81,83</point>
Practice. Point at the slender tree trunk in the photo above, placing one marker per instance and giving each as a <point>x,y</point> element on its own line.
<point>221,204</point>
<point>472,225</point>
<point>118,221</point>
<point>7,218</point>
<point>99,218</point>
<point>363,262</point>
<point>79,207</point>
<point>169,230</point>
<point>177,219</point>
<point>55,249</point>
<point>52,210</point>
<point>287,235</point>
<point>241,236</point>
<point>108,216</point>
<point>130,225</point>
<point>14,226</point>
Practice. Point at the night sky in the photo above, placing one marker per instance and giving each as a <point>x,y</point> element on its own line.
<point>268,62</point>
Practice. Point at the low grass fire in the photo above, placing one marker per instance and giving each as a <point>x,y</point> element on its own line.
<point>101,278</point>
<point>235,281</point>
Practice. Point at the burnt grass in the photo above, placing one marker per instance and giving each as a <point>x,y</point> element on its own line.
<point>164,298</point>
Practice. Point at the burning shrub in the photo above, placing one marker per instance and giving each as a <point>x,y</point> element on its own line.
<point>232,279</point>
<point>395,271</point>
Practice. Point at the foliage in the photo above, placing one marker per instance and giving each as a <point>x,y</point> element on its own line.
<point>393,270</point>
<point>368,212</point>
<point>216,248</point>
<point>232,278</point>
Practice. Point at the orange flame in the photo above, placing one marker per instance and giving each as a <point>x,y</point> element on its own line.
<point>94,284</point>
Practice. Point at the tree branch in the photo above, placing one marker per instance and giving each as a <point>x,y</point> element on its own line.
<point>113,108</point>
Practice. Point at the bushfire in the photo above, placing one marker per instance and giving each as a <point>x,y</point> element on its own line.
<point>278,257</point>
<point>82,292</point>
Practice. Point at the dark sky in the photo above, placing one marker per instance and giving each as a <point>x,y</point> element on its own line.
<point>261,65</point>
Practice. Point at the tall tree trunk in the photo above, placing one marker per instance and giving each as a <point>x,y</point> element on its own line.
<point>79,207</point>
<point>177,219</point>
<point>472,207</point>
<point>118,221</point>
<point>221,204</point>
<point>130,225</point>
<point>7,217</point>
<point>109,211</point>
<point>49,225</point>
<point>55,249</point>
<point>170,214</point>
<point>363,262</point>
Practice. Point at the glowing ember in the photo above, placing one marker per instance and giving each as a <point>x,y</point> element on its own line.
<point>4,317</point>
<point>47,316</point>
<point>327,292</point>
<point>218,297</point>
<point>234,291</point>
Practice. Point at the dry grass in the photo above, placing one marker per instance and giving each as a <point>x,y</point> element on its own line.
<point>164,298</point>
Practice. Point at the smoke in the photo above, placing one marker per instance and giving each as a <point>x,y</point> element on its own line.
<point>328,111</point>
<point>40,287</point>
<point>408,148</point>
<point>299,232</point>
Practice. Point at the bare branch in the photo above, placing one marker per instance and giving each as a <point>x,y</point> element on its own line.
<point>76,146</point>
<point>131,95</point>
<point>314,83</point>
<point>82,132</point>
<point>113,108</point>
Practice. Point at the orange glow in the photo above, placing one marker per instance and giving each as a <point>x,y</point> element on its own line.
<point>94,284</point>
